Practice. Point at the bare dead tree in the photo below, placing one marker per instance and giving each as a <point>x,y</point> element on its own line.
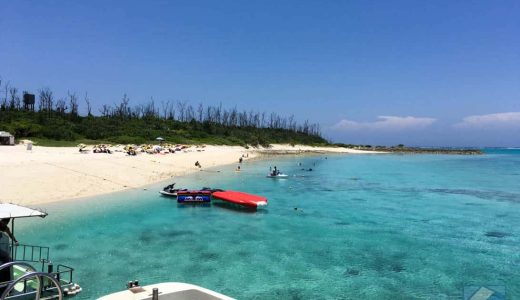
<point>208,114</point>
<point>105,110</point>
<point>283,123</point>
<point>181,106</point>
<point>2,104</point>
<point>233,117</point>
<point>225,118</point>
<point>305,128</point>
<point>46,100</point>
<point>89,106</point>
<point>149,109</point>
<point>4,101</point>
<point>218,113</point>
<point>250,119</point>
<point>200,112</point>
<point>292,124</point>
<point>14,99</point>
<point>165,107</point>
<point>190,113</point>
<point>61,106</point>
<point>242,119</point>
<point>122,110</point>
<point>171,111</point>
<point>256,120</point>
<point>137,111</point>
<point>73,104</point>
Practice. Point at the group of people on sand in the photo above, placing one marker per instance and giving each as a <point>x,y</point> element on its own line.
<point>135,149</point>
<point>102,149</point>
<point>131,151</point>
<point>154,149</point>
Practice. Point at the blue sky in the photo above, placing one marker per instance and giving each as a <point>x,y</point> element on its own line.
<point>442,73</point>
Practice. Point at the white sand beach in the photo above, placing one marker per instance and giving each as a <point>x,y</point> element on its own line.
<point>49,174</point>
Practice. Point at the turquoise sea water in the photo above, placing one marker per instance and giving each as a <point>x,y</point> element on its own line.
<point>365,227</point>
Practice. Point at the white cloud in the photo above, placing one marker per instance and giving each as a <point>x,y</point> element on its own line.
<point>498,120</point>
<point>387,123</point>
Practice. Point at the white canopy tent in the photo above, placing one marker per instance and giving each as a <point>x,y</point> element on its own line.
<point>14,211</point>
<point>9,210</point>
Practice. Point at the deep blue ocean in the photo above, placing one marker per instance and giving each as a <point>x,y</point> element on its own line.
<point>356,227</point>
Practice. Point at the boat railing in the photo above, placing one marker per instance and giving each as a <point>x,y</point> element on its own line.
<point>46,283</point>
<point>40,254</point>
<point>28,276</point>
<point>64,273</point>
<point>29,268</point>
<point>31,253</point>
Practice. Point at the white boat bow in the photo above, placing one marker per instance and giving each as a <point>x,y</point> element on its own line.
<point>167,291</point>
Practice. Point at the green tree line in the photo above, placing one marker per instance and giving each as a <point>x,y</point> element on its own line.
<point>58,118</point>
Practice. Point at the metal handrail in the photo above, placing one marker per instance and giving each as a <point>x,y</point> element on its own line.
<point>16,263</point>
<point>12,282</point>
<point>39,276</point>
<point>67,270</point>
<point>28,253</point>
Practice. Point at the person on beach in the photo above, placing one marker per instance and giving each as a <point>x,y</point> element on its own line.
<point>240,160</point>
<point>197,164</point>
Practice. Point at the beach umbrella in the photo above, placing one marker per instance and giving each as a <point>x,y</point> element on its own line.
<point>160,139</point>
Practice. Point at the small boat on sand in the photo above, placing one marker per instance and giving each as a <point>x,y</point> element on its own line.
<point>241,198</point>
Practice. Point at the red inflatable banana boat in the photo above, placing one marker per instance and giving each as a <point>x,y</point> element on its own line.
<point>241,198</point>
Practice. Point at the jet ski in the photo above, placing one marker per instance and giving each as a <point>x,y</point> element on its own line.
<point>170,190</point>
<point>277,174</point>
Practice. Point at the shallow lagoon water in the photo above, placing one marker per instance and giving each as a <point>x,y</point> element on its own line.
<point>365,227</point>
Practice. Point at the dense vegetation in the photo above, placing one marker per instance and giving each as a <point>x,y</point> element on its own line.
<point>57,119</point>
<point>416,150</point>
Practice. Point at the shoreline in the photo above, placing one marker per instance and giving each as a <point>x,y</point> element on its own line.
<point>47,175</point>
